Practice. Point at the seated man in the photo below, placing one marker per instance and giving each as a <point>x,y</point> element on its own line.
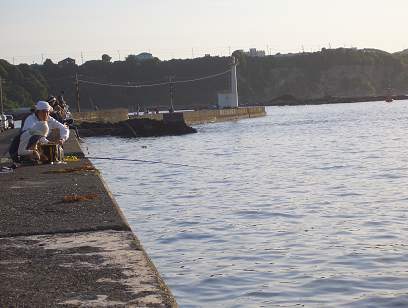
<point>42,113</point>
<point>56,112</point>
<point>61,114</point>
<point>30,139</point>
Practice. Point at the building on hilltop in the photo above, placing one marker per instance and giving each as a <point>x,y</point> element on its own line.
<point>253,52</point>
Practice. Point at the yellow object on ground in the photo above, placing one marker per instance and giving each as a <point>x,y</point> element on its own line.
<point>69,158</point>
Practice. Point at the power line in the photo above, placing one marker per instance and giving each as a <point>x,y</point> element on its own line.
<point>154,84</point>
<point>61,78</point>
<point>77,92</point>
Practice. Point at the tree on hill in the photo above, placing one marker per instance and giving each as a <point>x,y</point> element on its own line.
<point>106,58</point>
<point>131,59</point>
<point>23,85</point>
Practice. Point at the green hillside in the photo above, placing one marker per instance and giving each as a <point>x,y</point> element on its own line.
<point>305,76</point>
<point>22,85</point>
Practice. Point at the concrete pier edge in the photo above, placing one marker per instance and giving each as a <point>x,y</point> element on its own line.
<point>71,254</point>
<point>170,297</point>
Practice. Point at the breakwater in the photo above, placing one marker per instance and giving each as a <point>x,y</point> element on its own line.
<point>64,241</point>
<point>210,116</point>
<point>110,122</point>
<point>102,116</point>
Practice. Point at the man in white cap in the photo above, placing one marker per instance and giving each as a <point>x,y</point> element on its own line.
<point>42,113</point>
<point>29,140</point>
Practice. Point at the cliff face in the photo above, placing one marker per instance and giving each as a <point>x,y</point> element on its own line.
<point>345,73</point>
<point>334,72</point>
<point>338,80</point>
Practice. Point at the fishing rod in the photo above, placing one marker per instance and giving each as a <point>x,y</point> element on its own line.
<point>145,161</point>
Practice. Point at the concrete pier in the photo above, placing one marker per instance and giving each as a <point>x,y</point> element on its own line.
<point>64,241</point>
<point>221,115</point>
<point>211,116</point>
<point>102,116</point>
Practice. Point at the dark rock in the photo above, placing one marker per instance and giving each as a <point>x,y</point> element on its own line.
<point>136,128</point>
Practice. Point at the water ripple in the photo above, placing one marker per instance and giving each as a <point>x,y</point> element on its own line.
<point>305,207</point>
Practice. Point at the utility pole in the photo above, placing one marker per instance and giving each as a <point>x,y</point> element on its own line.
<point>118,54</point>
<point>77,92</point>
<point>42,58</point>
<point>172,88</point>
<point>1,96</point>
<point>82,57</point>
<point>234,83</point>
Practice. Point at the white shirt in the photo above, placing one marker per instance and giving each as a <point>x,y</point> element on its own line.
<point>32,119</point>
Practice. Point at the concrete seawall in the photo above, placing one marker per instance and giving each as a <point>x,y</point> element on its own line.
<point>64,241</point>
<point>210,116</point>
<point>102,116</point>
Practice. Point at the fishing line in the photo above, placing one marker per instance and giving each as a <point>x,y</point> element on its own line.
<point>146,161</point>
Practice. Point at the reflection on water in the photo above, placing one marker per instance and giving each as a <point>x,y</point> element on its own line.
<point>306,206</point>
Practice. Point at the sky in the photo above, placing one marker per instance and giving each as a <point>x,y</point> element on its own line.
<point>33,30</point>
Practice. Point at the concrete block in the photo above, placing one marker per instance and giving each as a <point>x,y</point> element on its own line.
<point>107,268</point>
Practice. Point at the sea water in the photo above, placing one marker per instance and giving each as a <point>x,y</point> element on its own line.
<point>304,207</point>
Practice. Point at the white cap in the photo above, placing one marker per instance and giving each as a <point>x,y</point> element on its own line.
<point>41,105</point>
<point>39,129</point>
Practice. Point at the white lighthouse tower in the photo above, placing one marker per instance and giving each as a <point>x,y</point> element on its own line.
<point>229,98</point>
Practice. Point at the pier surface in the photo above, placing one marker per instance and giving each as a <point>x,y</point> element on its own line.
<point>58,250</point>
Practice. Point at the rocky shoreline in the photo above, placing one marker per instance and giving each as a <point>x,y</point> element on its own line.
<point>289,100</point>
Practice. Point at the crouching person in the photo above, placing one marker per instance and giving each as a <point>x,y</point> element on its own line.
<point>42,113</point>
<point>30,141</point>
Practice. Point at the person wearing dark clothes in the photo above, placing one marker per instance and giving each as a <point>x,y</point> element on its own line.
<point>56,110</point>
